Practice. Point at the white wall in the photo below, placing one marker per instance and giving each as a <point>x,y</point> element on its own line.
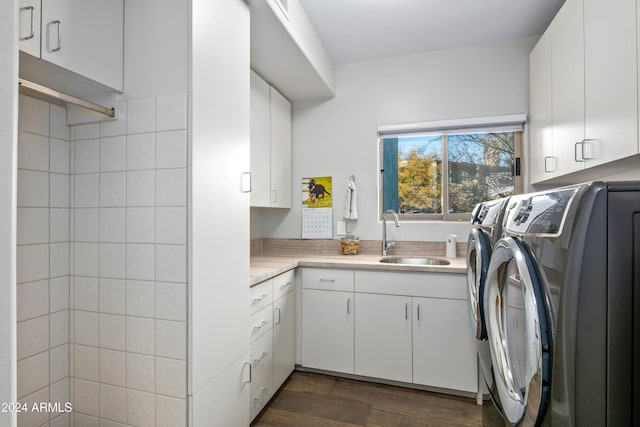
<point>8,155</point>
<point>338,137</point>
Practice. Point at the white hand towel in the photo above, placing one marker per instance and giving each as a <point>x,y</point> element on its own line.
<point>350,207</point>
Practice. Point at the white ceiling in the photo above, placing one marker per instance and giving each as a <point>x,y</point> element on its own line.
<point>358,30</point>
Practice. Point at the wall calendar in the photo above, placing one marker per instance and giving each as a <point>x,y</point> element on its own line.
<point>317,208</point>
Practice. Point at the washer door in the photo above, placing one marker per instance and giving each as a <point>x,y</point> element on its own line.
<point>519,333</point>
<point>478,255</point>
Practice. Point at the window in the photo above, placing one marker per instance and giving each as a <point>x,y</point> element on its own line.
<point>443,173</point>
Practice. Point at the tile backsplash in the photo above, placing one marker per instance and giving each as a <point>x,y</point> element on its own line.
<point>102,262</point>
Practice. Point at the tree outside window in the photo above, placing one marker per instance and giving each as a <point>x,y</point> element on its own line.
<point>477,167</point>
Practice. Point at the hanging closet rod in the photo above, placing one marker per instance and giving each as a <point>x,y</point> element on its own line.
<point>110,112</point>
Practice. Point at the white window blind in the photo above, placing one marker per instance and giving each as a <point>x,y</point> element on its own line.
<point>507,123</point>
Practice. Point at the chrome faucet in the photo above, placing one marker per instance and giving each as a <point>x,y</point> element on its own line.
<point>387,245</point>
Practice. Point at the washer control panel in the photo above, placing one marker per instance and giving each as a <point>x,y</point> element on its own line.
<point>540,213</point>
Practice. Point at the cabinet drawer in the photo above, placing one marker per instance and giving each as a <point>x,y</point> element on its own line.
<point>260,296</point>
<point>433,285</point>
<point>327,279</point>
<point>260,323</point>
<point>283,284</point>
<point>261,354</point>
<point>261,389</point>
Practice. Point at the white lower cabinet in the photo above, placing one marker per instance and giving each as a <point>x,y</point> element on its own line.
<point>328,330</point>
<point>272,337</point>
<point>383,337</point>
<point>399,326</point>
<point>284,337</point>
<point>444,354</point>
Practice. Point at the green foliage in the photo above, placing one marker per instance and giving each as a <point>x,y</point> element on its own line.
<point>419,181</point>
<point>479,168</point>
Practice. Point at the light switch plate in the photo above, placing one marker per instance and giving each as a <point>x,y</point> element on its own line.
<point>341,228</point>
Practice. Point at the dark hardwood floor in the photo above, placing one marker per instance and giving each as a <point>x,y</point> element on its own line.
<point>310,400</point>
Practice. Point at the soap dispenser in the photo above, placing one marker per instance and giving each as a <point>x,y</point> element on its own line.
<point>451,246</point>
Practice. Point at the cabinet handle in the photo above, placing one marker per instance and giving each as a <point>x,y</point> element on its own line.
<point>274,198</point>
<point>285,285</point>
<point>245,182</point>
<point>546,162</point>
<point>575,151</point>
<point>587,143</point>
<point>406,310</point>
<point>262,394</point>
<point>418,310</point>
<point>348,305</point>
<point>59,38</point>
<point>278,311</point>
<point>258,327</point>
<point>32,31</point>
<point>262,356</point>
<point>250,373</point>
<point>258,300</point>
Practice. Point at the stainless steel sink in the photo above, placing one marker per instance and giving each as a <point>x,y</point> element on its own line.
<point>414,260</point>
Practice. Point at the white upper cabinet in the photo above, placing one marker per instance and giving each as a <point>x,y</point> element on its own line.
<point>611,80</point>
<point>287,51</point>
<point>260,146</point>
<point>567,89</point>
<point>84,37</point>
<point>541,154</point>
<point>29,28</point>
<point>270,146</point>
<point>584,90</point>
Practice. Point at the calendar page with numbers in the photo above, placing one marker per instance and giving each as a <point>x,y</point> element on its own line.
<point>317,208</point>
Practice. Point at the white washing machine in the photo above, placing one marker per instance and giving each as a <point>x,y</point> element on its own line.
<point>562,307</point>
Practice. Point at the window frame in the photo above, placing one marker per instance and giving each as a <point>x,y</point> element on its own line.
<point>423,129</point>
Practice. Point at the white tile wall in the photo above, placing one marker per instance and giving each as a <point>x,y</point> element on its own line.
<point>112,225</point>
<point>113,367</point>
<point>140,335</point>
<point>112,296</point>
<point>141,372</point>
<point>141,408</point>
<point>32,418</point>
<point>141,151</point>
<point>112,331</point>
<point>170,412</point>
<point>141,225</point>
<point>171,149</point>
<point>102,261</point>
<point>140,298</point>
<point>113,403</point>
<point>33,300</point>
<point>113,154</point>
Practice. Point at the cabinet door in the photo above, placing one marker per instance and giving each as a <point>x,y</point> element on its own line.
<point>383,337</point>
<point>443,349</point>
<point>611,79</point>
<point>284,338</point>
<point>567,58</point>
<point>328,330</point>
<point>541,145</point>
<point>29,28</point>
<point>260,151</point>
<point>228,393</point>
<point>280,151</point>
<point>85,37</point>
